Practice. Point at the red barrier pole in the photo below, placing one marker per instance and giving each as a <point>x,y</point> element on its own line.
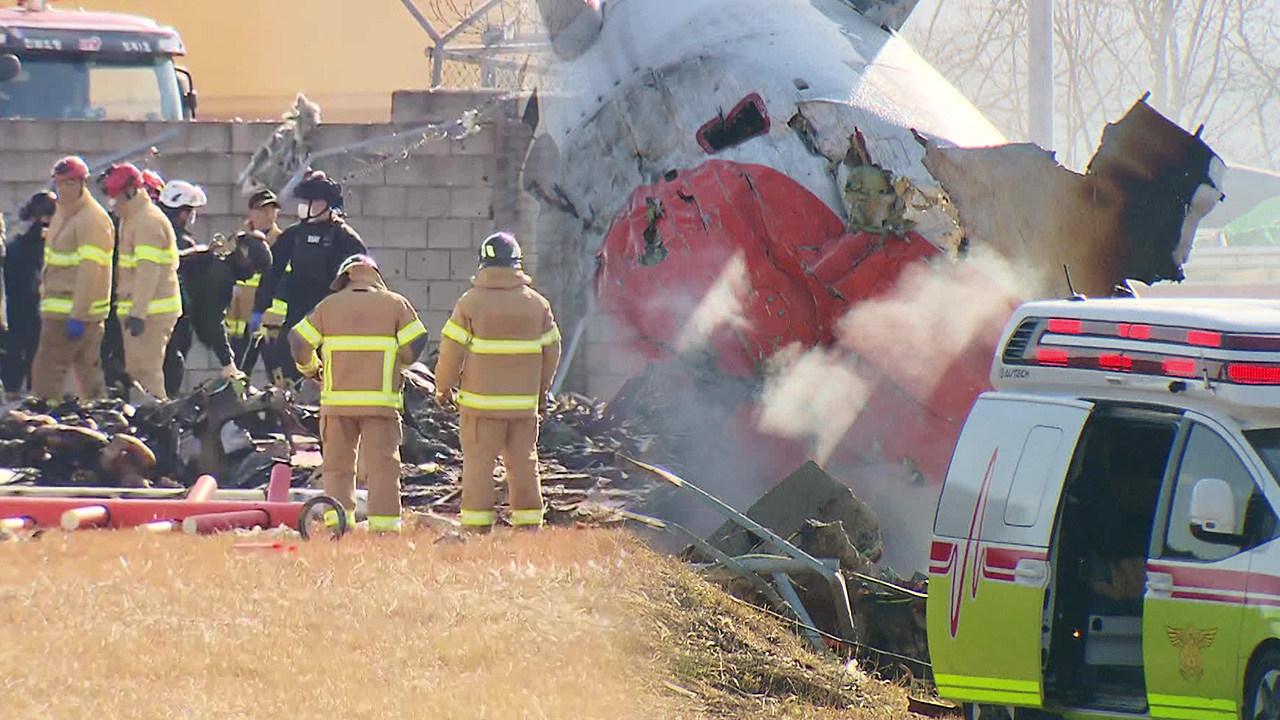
<point>203,490</point>
<point>281,479</point>
<point>161,526</point>
<point>15,524</point>
<point>222,522</point>
<point>91,516</point>
<point>47,512</point>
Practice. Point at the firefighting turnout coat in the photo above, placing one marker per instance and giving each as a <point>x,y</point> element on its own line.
<point>501,345</point>
<point>246,291</point>
<point>76,280</point>
<point>365,334</point>
<point>148,282</point>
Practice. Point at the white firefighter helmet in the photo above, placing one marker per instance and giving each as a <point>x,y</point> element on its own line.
<point>182,194</point>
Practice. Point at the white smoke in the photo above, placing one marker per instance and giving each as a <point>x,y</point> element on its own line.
<point>814,395</point>
<point>722,305</point>
<point>910,337</point>
<point>935,313</point>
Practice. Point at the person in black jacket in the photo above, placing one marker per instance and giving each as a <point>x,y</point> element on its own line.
<point>208,275</point>
<point>180,201</point>
<point>305,262</point>
<point>23,262</point>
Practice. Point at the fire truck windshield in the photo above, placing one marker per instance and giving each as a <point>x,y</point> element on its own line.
<point>67,88</point>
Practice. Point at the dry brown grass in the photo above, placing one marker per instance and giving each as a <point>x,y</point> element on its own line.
<point>565,624</point>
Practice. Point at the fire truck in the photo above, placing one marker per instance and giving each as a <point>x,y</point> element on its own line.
<point>77,65</point>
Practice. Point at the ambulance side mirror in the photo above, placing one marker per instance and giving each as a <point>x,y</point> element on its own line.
<point>1213,509</point>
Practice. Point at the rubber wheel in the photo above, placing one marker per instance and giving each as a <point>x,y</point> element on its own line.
<point>312,516</point>
<point>1005,712</point>
<point>973,711</point>
<point>1262,688</point>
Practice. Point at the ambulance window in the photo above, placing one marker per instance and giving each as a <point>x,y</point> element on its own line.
<point>1207,455</point>
<point>1030,478</point>
<point>1266,442</point>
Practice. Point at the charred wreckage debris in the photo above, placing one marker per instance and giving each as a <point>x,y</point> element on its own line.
<point>808,550</point>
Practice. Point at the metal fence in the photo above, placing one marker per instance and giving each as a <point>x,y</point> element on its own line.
<point>487,44</point>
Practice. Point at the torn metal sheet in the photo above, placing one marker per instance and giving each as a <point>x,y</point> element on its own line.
<point>1132,214</point>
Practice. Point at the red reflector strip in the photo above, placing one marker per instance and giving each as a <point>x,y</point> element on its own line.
<point>1115,362</point>
<point>1204,338</point>
<point>1179,367</point>
<point>1254,374</point>
<point>1050,356</point>
<point>1065,326</point>
<point>1135,332</point>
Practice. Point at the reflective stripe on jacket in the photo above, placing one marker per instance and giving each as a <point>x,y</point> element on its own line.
<point>148,261</point>
<point>76,279</point>
<point>242,298</point>
<point>500,347</point>
<point>363,333</point>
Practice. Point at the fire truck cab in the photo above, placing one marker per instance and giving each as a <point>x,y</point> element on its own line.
<point>1106,542</point>
<point>76,65</point>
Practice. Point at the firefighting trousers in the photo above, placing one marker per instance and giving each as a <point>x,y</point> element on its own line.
<point>144,354</point>
<point>379,439</point>
<point>57,354</point>
<point>483,440</point>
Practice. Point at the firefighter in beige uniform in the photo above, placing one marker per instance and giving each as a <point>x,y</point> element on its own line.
<point>502,345</point>
<point>264,208</point>
<point>148,298</point>
<point>75,287</point>
<point>365,335</point>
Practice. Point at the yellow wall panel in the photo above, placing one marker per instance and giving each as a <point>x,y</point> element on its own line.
<point>251,57</point>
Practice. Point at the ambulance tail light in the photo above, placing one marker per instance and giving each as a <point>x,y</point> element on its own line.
<point>1179,367</point>
<point>1065,326</point>
<point>1134,332</point>
<point>1249,374</point>
<point>1115,361</point>
<point>1204,338</point>
<point>1052,356</point>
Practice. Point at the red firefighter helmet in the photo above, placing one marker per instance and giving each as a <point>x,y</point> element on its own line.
<point>70,168</point>
<point>152,181</point>
<point>119,178</point>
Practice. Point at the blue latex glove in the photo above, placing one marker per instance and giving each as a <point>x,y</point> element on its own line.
<point>255,321</point>
<point>75,329</point>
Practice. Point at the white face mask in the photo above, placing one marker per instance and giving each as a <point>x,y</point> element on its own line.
<point>112,202</point>
<point>304,210</point>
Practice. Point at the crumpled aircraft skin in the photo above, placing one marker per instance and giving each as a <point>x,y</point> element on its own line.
<point>726,181</point>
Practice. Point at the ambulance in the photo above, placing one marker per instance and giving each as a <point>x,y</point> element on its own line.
<point>1106,543</point>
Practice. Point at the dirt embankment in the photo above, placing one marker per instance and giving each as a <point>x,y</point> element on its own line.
<point>565,624</point>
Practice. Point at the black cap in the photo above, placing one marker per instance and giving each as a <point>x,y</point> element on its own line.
<point>263,198</point>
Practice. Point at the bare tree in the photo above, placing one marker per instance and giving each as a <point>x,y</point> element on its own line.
<point>1215,62</point>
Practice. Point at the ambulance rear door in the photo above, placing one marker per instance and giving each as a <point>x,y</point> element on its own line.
<point>989,566</point>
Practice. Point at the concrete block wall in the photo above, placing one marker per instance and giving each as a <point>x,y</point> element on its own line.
<point>422,216</point>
